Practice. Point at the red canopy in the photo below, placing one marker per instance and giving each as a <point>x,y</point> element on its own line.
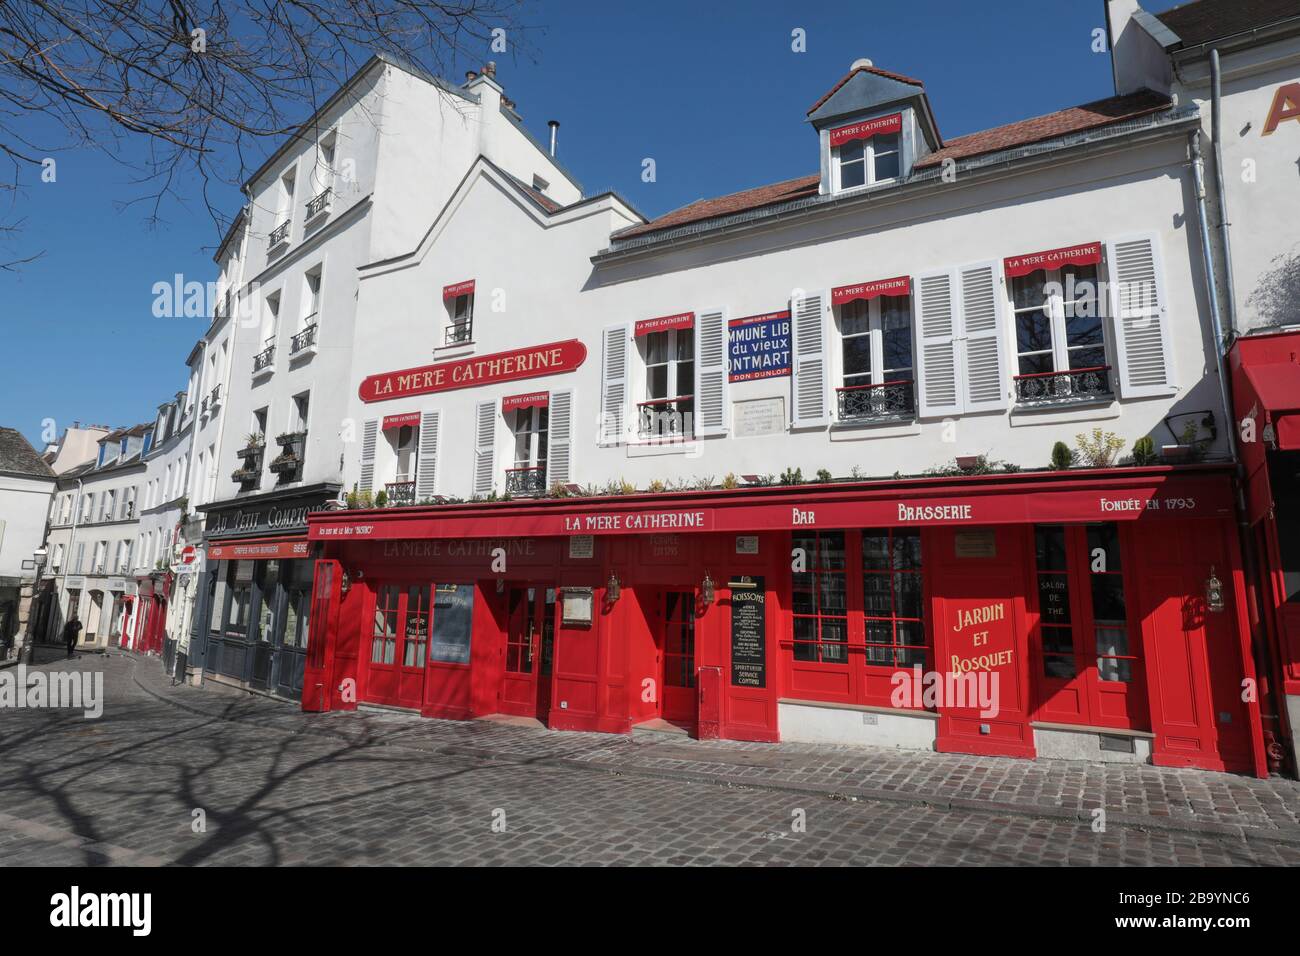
<point>1084,255</point>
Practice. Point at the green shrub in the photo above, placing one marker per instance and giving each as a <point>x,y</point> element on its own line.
<point>1062,457</point>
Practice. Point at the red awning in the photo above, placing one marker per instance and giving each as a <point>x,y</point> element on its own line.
<point>682,320</point>
<point>458,288</point>
<point>1277,386</point>
<point>892,123</point>
<point>1084,255</point>
<point>527,400</point>
<point>1120,494</point>
<point>902,285</point>
<point>397,421</point>
<point>253,549</point>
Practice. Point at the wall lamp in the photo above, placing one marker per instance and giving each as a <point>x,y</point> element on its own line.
<point>613,588</point>
<point>707,589</point>
<point>1214,592</point>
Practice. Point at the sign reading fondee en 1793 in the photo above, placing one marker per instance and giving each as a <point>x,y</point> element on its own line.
<point>748,633</point>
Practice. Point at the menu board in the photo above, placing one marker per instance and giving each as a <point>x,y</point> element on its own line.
<point>453,605</point>
<point>748,632</point>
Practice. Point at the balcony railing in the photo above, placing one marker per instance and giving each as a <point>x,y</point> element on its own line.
<point>667,417</point>
<point>1063,388</point>
<point>214,399</point>
<point>458,333</point>
<point>280,234</point>
<point>526,481</point>
<point>319,203</point>
<point>886,401</point>
<point>263,359</point>
<point>303,339</point>
<point>400,492</point>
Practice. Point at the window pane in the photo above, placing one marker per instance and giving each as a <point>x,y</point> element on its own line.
<point>1082,330</point>
<point>875,551</point>
<point>657,382</point>
<point>1087,358</point>
<point>656,348</point>
<point>907,595</point>
<point>1108,597</point>
<point>685,345</point>
<point>886,156</point>
<point>1036,364</point>
<point>907,550</point>
<point>876,598</point>
<point>1050,542</point>
<point>804,598</point>
<point>857,355</point>
<point>1059,667</point>
<point>1115,669</point>
<point>896,332</point>
<point>1027,291</point>
<point>831,544</point>
<point>1103,546</point>
<point>1058,640</point>
<point>832,594</point>
<point>1112,641</point>
<point>1033,331</point>
<point>855,317</point>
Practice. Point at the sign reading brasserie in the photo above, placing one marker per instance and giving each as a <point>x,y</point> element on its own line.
<point>748,633</point>
<point>536,360</point>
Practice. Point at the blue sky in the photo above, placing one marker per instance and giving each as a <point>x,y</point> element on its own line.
<point>711,91</point>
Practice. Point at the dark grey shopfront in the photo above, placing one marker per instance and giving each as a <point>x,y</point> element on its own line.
<point>253,605</point>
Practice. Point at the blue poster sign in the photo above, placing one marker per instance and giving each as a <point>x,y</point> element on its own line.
<point>758,347</point>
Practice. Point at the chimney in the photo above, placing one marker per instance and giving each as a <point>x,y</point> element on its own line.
<point>490,70</point>
<point>470,76</point>
<point>554,125</point>
<point>1137,56</point>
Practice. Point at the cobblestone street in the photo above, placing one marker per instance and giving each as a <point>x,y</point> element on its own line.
<point>277,786</point>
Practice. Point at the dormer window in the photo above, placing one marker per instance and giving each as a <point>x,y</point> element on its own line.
<point>867,152</point>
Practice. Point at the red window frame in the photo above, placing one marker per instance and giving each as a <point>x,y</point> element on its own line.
<point>899,565</point>
<point>819,571</point>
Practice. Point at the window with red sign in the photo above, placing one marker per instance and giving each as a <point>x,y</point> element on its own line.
<point>669,407</point>
<point>1060,335</point>
<point>859,162</point>
<point>892,606</point>
<point>819,598</point>
<point>876,359</point>
<point>383,643</point>
<point>460,311</point>
<point>416,626</point>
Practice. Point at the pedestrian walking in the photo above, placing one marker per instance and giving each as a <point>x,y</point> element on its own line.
<point>70,632</point>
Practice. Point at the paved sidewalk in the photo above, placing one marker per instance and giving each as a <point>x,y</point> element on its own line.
<point>1134,795</point>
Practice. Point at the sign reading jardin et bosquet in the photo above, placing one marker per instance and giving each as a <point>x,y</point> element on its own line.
<point>531,362</point>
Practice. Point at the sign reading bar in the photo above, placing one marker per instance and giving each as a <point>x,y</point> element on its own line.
<point>550,359</point>
<point>1085,255</point>
<point>458,289</point>
<point>902,285</point>
<point>397,421</point>
<point>682,320</point>
<point>758,346</point>
<point>748,633</point>
<point>528,400</point>
<point>881,125</point>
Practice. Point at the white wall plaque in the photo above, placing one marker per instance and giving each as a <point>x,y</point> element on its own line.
<point>759,416</point>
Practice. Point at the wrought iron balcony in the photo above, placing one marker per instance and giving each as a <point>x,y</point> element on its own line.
<point>319,203</point>
<point>303,339</point>
<point>214,399</point>
<point>1064,388</point>
<point>263,359</point>
<point>526,481</point>
<point>400,492</point>
<point>667,417</point>
<point>887,401</point>
<point>458,333</point>
<point>280,234</point>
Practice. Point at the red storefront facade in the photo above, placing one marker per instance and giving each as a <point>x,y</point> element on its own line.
<point>1084,601</point>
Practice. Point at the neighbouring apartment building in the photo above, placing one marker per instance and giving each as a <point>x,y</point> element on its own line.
<point>790,464</point>
<point>26,483</point>
<point>91,544</point>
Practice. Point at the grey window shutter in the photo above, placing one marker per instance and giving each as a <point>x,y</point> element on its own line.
<point>936,324</point>
<point>613,384</point>
<point>485,422</point>
<point>982,332</point>
<point>711,372</point>
<point>810,404</point>
<point>1143,341</point>
<point>426,467</point>
<point>369,438</point>
<point>559,465</point>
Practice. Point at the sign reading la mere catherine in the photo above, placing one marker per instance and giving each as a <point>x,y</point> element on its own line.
<point>531,362</point>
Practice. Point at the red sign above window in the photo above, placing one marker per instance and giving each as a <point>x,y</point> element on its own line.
<point>527,400</point>
<point>682,320</point>
<point>553,358</point>
<point>397,421</point>
<point>869,290</point>
<point>879,126</point>
<point>1085,255</point>
<point>459,288</point>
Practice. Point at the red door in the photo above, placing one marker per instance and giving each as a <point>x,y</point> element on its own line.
<point>530,651</point>
<point>323,633</point>
<point>399,642</point>
<point>1086,648</point>
<point>677,653</point>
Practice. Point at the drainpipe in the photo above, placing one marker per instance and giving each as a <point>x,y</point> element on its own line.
<point>1220,195</point>
<point>1270,715</point>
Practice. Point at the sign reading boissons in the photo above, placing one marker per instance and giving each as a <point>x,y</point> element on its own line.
<point>748,633</point>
